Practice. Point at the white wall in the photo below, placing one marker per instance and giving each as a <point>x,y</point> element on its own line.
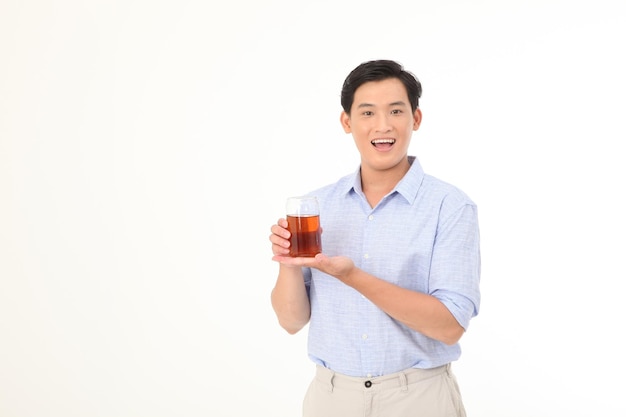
<point>147,146</point>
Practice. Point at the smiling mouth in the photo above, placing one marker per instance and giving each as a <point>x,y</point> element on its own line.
<point>383,143</point>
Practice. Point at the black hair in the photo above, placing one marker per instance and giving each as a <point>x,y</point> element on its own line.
<point>379,70</point>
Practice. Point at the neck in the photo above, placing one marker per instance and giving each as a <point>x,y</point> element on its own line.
<point>377,183</point>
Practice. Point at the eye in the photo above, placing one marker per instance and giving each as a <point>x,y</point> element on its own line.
<point>396,111</point>
<point>367,113</point>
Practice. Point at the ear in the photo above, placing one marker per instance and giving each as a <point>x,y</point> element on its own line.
<point>345,122</point>
<point>417,119</point>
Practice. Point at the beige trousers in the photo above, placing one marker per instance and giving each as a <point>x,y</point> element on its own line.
<point>410,393</point>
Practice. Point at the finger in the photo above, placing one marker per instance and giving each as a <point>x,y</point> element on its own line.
<point>280,232</point>
<point>297,261</point>
<point>289,260</point>
<point>279,240</point>
<point>280,250</point>
<point>283,259</point>
<point>280,229</point>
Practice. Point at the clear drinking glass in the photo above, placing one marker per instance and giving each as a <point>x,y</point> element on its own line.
<point>303,216</point>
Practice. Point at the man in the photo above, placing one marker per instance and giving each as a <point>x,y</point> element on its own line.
<point>398,280</point>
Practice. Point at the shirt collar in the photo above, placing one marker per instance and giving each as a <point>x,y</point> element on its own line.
<point>407,187</point>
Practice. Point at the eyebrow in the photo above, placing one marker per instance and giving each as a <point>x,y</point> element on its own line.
<point>395,103</point>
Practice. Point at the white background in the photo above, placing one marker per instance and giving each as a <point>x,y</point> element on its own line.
<point>147,146</point>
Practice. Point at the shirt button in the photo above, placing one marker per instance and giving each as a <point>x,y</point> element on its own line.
<point>364,336</point>
<point>366,256</point>
<point>368,384</point>
<point>370,217</point>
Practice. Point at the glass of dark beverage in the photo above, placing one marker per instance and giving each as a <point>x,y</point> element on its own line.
<point>303,218</point>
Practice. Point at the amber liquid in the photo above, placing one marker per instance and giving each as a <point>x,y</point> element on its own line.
<point>306,236</point>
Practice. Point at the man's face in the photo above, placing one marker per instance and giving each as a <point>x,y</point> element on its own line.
<point>381,122</point>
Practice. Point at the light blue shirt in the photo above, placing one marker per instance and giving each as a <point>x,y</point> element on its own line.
<point>423,236</point>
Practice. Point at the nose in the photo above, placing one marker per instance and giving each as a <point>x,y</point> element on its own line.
<point>382,123</point>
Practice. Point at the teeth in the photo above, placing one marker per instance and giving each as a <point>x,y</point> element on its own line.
<point>384,141</point>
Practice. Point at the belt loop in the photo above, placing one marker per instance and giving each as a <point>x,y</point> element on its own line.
<point>403,382</point>
<point>325,377</point>
<point>330,382</point>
